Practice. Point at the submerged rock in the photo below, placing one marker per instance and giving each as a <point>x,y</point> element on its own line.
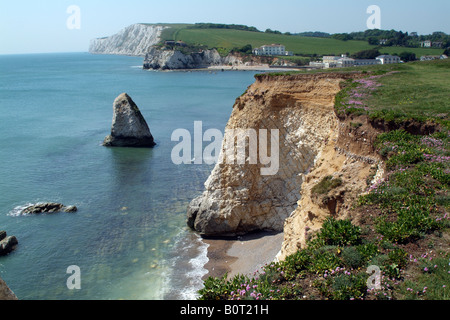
<point>129,128</point>
<point>48,207</point>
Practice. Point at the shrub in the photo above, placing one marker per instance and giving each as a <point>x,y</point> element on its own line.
<point>296,263</point>
<point>328,183</point>
<point>347,286</point>
<point>339,233</point>
<point>323,260</point>
<point>411,224</point>
<point>398,256</point>
<point>352,257</point>
<point>368,250</point>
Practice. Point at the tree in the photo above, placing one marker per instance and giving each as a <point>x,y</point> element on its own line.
<point>247,49</point>
<point>373,41</point>
<point>366,54</point>
<point>342,36</point>
<point>408,56</point>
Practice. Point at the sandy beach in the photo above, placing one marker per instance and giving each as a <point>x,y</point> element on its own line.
<point>261,68</point>
<point>241,255</point>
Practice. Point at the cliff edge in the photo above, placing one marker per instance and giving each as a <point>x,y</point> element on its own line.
<point>313,143</point>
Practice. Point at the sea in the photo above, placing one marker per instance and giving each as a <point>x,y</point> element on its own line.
<point>129,238</point>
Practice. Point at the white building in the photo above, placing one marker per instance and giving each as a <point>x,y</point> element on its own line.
<point>426,44</point>
<point>366,62</point>
<point>388,59</point>
<point>270,50</point>
<point>331,59</point>
<point>345,62</point>
<point>428,58</point>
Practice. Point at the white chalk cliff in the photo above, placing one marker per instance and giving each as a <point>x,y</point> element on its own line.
<point>135,40</point>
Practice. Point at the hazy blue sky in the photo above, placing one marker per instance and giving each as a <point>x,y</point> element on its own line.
<point>40,26</point>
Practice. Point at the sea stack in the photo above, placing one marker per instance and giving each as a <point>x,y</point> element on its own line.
<point>129,128</point>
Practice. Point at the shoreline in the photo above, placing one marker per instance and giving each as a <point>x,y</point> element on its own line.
<point>260,68</point>
<point>242,255</point>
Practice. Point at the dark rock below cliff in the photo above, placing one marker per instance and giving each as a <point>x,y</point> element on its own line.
<point>48,207</point>
<point>129,128</point>
<point>7,244</point>
<point>5,292</point>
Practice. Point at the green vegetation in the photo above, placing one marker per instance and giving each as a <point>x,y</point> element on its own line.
<point>335,266</point>
<point>366,54</point>
<point>223,26</point>
<point>410,194</point>
<point>415,91</point>
<point>326,185</point>
<point>405,226</point>
<point>226,37</point>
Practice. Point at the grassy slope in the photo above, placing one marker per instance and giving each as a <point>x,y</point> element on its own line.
<point>405,227</point>
<point>416,90</point>
<point>229,39</point>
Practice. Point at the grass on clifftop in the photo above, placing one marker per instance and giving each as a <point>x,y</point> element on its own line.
<point>226,39</point>
<point>411,91</point>
<point>400,250</point>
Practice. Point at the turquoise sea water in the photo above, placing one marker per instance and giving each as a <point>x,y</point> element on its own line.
<point>129,236</point>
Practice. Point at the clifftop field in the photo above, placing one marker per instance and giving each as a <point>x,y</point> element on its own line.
<point>226,39</point>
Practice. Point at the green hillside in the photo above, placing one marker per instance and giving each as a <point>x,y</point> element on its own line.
<point>227,39</point>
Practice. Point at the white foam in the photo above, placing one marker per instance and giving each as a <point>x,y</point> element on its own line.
<point>198,271</point>
<point>17,211</point>
<point>184,284</point>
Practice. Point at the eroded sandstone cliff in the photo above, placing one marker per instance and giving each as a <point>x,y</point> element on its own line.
<point>313,144</point>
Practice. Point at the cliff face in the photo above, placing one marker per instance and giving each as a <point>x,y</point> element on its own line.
<point>173,59</point>
<point>166,59</point>
<point>313,143</point>
<point>135,40</point>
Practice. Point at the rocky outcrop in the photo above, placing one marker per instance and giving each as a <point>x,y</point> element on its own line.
<point>313,144</point>
<point>135,40</point>
<point>174,59</point>
<point>169,59</point>
<point>129,128</point>
<point>5,292</point>
<point>48,207</point>
<point>7,244</point>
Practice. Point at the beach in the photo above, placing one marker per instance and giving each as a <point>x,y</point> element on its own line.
<point>262,68</point>
<point>243,254</point>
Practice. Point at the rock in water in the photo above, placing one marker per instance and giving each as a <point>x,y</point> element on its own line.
<point>5,292</point>
<point>48,207</point>
<point>7,244</point>
<point>129,128</point>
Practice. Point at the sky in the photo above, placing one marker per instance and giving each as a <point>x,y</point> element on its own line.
<point>28,26</point>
